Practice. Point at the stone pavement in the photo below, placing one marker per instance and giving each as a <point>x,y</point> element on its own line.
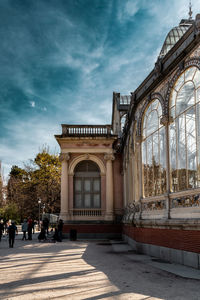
<point>86,270</point>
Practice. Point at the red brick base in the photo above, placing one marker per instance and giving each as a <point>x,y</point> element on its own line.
<point>187,240</point>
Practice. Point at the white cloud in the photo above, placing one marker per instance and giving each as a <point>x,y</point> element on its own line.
<point>32,103</point>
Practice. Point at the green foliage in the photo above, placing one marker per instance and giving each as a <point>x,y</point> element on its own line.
<point>10,212</point>
<point>40,179</point>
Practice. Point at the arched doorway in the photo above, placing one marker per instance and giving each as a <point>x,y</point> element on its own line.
<point>87,185</point>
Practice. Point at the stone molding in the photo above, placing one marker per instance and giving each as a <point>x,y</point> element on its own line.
<point>64,157</point>
<point>87,156</point>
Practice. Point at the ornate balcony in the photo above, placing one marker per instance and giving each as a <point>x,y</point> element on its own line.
<point>85,130</point>
<point>87,212</point>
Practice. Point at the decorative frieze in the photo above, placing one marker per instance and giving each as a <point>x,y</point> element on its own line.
<point>154,205</point>
<point>186,201</point>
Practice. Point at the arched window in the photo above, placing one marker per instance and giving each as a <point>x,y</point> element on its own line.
<point>153,151</point>
<point>185,131</point>
<point>87,187</point>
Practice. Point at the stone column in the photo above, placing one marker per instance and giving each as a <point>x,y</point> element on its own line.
<point>64,207</point>
<point>109,187</point>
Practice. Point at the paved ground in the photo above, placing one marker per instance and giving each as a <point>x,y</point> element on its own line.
<point>85,270</point>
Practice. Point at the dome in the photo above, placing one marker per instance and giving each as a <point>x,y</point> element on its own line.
<point>174,35</point>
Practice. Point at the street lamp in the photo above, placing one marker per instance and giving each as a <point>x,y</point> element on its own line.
<point>39,202</point>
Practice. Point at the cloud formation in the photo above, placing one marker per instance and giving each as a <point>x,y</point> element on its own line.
<point>62,60</point>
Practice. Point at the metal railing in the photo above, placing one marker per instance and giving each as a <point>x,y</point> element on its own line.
<point>86,130</point>
<point>87,212</point>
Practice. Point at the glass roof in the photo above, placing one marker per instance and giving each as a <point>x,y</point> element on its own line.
<point>174,35</point>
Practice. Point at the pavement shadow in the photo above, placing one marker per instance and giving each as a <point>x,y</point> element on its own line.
<point>131,275</point>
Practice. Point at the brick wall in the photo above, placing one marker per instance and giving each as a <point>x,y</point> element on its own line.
<point>187,240</point>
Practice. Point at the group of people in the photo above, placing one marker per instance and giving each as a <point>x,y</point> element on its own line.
<point>55,236</point>
<point>28,227</point>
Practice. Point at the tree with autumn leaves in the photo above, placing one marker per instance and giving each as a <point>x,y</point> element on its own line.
<point>39,179</point>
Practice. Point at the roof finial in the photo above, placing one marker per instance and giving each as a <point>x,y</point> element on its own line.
<point>190,11</point>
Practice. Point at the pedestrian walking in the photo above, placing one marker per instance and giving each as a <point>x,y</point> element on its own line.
<point>24,229</point>
<point>11,233</point>
<point>30,227</point>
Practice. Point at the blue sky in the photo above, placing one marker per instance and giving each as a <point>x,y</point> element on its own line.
<point>61,60</point>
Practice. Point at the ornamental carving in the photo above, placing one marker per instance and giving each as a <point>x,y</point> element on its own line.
<point>109,156</point>
<point>64,157</point>
<point>186,201</point>
<point>154,205</point>
<point>130,212</point>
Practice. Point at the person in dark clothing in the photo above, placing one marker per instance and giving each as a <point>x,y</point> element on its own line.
<point>60,229</point>
<point>24,229</point>
<point>45,223</point>
<point>11,233</point>
<point>1,229</point>
<point>55,236</point>
<point>42,234</point>
<point>30,227</point>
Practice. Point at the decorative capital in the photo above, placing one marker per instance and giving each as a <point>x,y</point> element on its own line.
<point>165,120</point>
<point>64,157</point>
<point>109,157</point>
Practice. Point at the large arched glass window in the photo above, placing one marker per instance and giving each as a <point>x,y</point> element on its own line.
<point>185,131</point>
<point>87,185</point>
<point>153,151</point>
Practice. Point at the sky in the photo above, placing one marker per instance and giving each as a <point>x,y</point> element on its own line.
<point>61,60</point>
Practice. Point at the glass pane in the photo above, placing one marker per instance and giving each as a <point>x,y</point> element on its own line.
<point>96,185</point>
<point>87,202</point>
<point>77,185</point>
<point>198,96</point>
<point>197,79</point>
<point>191,148</point>
<point>179,82</point>
<point>159,109</point>
<point>154,104</point>
<point>156,165</point>
<point>173,98</point>
<point>150,182</point>
<point>189,73</point>
<point>198,142</point>
<point>96,201</point>
<point>181,143</point>
<point>180,125</point>
<point>185,98</point>
<point>87,185</point>
<point>152,122</point>
<point>144,166</point>
<point>78,202</point>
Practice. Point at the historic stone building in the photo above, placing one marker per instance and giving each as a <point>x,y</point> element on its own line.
<point>140,176</point>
